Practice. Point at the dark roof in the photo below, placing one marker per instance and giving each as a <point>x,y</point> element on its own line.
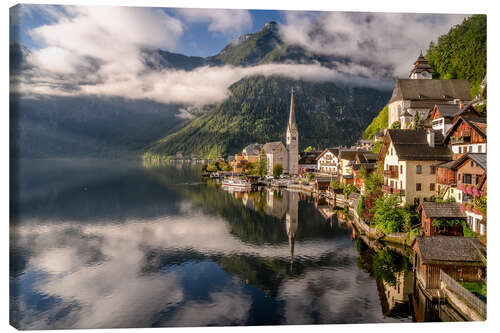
<point>443,249</point>
<point>439,90</point>
<point>449,110</point>
<point>309,157</point>
<point>421,64</point>
<point>367,157</point>
<point>412,145</point>
<point>442,209</point>
<point>334,151</point>
<point>448,165</point>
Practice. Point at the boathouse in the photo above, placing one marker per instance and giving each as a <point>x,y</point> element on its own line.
<point>462,258</point>
<point>430,211</point>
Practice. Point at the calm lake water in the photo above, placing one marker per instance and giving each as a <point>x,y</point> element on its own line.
<point>101,244</point>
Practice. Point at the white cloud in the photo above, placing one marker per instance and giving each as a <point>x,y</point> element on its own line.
<point>225,21</point>
<point>383,39</point>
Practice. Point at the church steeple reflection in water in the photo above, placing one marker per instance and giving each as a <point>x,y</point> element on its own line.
<point>292,222</point>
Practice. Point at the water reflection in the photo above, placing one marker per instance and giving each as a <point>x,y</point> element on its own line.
<point>119,245</point>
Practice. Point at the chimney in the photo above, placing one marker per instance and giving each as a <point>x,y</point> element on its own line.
<point>430,137</point>
<point>461,105</point>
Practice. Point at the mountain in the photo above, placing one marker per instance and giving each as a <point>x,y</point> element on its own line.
<point>461,53</point>
<point>257,111</point>
<point>328,113</point>
<point>60,126</point>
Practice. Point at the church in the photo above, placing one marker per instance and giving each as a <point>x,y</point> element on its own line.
<point>420,93</point>
<point>287,156</point>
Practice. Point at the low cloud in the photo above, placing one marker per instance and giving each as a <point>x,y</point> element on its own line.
<point>376,39</point>
<point>85,53</point>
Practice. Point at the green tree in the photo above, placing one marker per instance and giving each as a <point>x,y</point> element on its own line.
<point>277,170</point>
<point>388,215</point>
<point>416,121</point>
<point>348,189</point>
<point>262,164</point>
<point>396,125</point>
<point>336,185</point>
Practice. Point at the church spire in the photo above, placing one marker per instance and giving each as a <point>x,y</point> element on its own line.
<point>292,123</point>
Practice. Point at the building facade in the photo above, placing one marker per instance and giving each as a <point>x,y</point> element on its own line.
<point>328,161</point>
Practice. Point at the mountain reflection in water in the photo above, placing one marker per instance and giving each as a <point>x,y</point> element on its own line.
<point>100,244</point>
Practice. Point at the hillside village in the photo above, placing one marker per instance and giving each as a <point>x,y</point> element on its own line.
<point>422,181</point>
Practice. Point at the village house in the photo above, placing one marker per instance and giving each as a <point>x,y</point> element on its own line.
<point>308,161</point>
<point>443,115</point>
<point>430,211</point>
<point>327,161</point>
<point>420,93</point>
<point>363,144</point>
<point>467,134</point>
<point>250,154</point>
<point>462,258</point>
<point>409,159</point>
<point>346,161</point>
<point>366,161</point>
<point>471,181</point>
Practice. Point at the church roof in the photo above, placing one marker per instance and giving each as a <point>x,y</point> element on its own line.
<point>271,147</point>
<point>253,149</point>
<point>292,122</point>
<point>431,90</point>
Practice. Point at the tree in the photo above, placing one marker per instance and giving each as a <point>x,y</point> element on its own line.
<point>277,170</point>
<point>336,185</point>
<point>372,181</point>
<point>416,121</point>
<point>388,215</point>
<point>396,125</point>
<point>262,164</point>
<point>308,149</point>
<point>348,189</point>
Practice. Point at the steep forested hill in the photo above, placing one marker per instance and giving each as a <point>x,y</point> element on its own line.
<point>461,53</point>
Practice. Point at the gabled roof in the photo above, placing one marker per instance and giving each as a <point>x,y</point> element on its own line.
<point>447,110</point>
<point>478,124</point>
<point>367,166</point>
<point>451,249</point>
<point>334,151</point>
<point>411,145</point>
<point>479,158</point>
<point>270,147</point>
<point>442,209</point>
<point>439,90</point>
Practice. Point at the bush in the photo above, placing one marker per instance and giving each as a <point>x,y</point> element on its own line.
<point>389,216</point>
<point>277,170</point>
<point>348,189</point>
<point>396,125</point>
<point>336,185</point>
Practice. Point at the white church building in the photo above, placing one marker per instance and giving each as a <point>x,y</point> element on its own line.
<point>286,155</point>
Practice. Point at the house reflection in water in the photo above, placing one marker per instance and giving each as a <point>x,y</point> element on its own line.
<point>277,202</point>
<point>395,298</point>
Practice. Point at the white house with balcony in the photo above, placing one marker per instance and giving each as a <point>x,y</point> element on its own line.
<point>328,161</point>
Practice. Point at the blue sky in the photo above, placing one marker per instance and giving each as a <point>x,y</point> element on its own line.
<point>196,39</point>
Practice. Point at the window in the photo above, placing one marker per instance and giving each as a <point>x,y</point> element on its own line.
<point>467,178</point>
<point>419,187</point>
<point>401,169</point>
<point>432,186</point>
<point>392,151</point>
<point>459,196</point>
<point>460,150</point>
<point>432,169</point>
<point>419,169</point>
<point>471,163</point>
<point>400,184</point>
<point>479,149</point>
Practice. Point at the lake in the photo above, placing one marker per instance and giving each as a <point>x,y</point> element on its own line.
<point>101,244</point>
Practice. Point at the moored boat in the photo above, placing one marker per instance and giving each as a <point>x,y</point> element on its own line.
<point>235,182</point>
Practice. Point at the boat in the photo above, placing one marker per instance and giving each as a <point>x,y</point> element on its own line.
<point>214,175</point>
<point>236,182</point>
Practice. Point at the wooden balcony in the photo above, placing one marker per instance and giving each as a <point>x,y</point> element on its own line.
<point>391,173</point>
<point>391,190</point>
